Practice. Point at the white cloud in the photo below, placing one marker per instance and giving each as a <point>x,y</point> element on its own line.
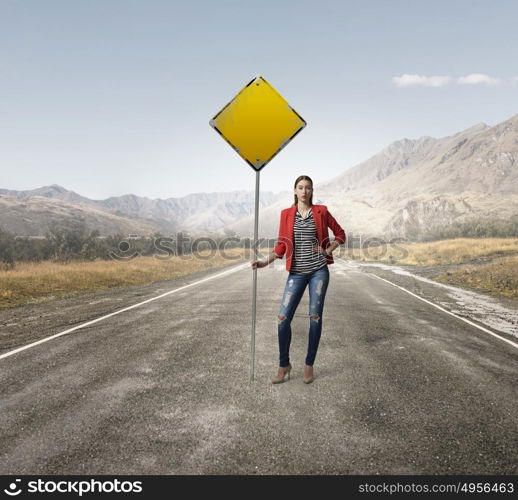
<point>476,78</point>
<point>426,81</point>
<point>407,80</point>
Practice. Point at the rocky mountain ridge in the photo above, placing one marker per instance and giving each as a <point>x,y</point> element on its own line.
<point>31,212</point>
<point>411,187</point>
<point>414,186</point>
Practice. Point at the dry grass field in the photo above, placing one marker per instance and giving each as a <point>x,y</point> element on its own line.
<point>499,277</point>
<point>489,265</point>
<point>486,264</point>
<point>35,282</point>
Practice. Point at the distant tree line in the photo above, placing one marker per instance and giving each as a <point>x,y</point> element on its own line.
<point>77,242</point>
<point>474,228</point>
<point>73,243</point>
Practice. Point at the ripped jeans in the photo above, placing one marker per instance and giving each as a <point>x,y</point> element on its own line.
<point>295,285</point>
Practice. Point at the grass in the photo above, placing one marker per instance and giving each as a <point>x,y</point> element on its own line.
<point>499,277</point>
<point>485,264</point>
<point>438,253</point>
<point>36,282</point>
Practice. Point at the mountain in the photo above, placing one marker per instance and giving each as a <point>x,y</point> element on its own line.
<point>54,191</point>
<point>410,188</point>
<point>35,215</point>
<point>414,186</point>
<point>26,212</point>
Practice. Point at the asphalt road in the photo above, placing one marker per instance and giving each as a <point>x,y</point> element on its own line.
<point>163,388</point>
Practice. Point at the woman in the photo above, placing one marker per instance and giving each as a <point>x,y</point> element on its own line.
<point>304,238</point>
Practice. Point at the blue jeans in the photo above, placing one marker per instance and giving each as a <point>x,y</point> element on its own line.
<point>295,285</point>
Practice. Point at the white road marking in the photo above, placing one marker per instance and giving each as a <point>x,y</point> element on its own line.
<point>28,346</point>
<point>514,344</point>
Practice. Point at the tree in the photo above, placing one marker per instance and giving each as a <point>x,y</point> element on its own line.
<point>7,249</point>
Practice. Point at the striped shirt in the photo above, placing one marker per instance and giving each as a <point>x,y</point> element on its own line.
<point>305,260</point>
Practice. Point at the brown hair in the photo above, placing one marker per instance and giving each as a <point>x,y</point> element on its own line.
<point>303,178</point>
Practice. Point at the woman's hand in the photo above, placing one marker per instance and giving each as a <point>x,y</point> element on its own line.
<point>317,248</point>
<point>325,251</point>
<point>258,264</point>
<point>264,262</point>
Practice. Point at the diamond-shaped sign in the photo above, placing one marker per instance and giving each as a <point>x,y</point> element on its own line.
<point>258,123</point>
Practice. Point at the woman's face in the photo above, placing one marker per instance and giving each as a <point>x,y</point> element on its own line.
<point>303,190</point>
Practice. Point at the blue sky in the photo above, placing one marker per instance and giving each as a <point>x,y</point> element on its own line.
<point>115,96</point>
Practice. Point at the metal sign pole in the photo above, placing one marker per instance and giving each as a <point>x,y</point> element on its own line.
<point>254,286</point>
<point>257,123</point>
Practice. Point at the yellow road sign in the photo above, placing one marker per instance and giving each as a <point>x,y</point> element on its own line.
<point>258,123</point>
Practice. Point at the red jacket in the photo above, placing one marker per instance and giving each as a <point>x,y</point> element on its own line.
<point>323,221</point>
